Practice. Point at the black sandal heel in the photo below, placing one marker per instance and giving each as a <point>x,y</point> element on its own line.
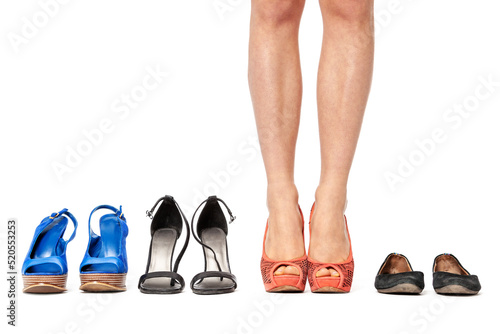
<point>211,232</point>
<point>166,228</point>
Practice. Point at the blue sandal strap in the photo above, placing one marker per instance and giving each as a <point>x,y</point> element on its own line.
<point>117,261</point>
<point>59,260</point>
<point>118,212</point>
<point>70,216</point>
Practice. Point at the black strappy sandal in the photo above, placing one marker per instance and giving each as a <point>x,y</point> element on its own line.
<point>166,227</point>
<point>211,231</point>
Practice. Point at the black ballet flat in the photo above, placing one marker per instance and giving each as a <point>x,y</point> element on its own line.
<point>210,232</point>
<point>396,276</point>
<point>451,278</point>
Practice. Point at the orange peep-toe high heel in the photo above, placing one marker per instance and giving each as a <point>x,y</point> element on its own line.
<point>331,284</point>
<point>283,283</point>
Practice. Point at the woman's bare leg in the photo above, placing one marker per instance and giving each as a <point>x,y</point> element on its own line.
<point>276,87</point>
<point>344,79</point>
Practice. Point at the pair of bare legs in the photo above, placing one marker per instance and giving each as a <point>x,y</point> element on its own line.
<point>343,85</point>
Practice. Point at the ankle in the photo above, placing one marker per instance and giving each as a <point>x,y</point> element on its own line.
<point>282,196</point>
<point>331,195</point>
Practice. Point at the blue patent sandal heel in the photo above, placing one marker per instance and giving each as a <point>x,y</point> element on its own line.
<point>45,268</point>
<point>104,266</point>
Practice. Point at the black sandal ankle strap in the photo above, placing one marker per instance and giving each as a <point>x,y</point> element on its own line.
<point>232,218</point>
<point>150,214</point>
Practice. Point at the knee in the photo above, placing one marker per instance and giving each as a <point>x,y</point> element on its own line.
<point>348,10</point>
<point>277,11</point>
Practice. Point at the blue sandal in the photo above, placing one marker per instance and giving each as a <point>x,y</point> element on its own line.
<point>104,266</point>
<point>45,268</point>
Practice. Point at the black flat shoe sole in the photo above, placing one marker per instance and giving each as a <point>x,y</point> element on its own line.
<point>403,289</point>
<point>455,290</point>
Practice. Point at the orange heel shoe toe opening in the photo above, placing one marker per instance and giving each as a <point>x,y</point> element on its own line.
<point>341,284</point>
<point>331,284</point>
<point>283,283</point>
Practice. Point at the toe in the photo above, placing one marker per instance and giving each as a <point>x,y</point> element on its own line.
<point>286,270</point>
<point>333,272</point>
<point>323,272</point>
<point>280,271</point>
<point>291,270</point>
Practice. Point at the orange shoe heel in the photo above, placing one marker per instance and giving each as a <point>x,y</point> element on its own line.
<point>283,283</point>
<point>345,269</point>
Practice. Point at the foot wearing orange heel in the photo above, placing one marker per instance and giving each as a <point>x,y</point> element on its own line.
<point>284,261</point>
<point>330,256</point>
<point>283,275</point>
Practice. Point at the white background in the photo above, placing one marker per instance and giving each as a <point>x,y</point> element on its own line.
<point>65,78</point>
